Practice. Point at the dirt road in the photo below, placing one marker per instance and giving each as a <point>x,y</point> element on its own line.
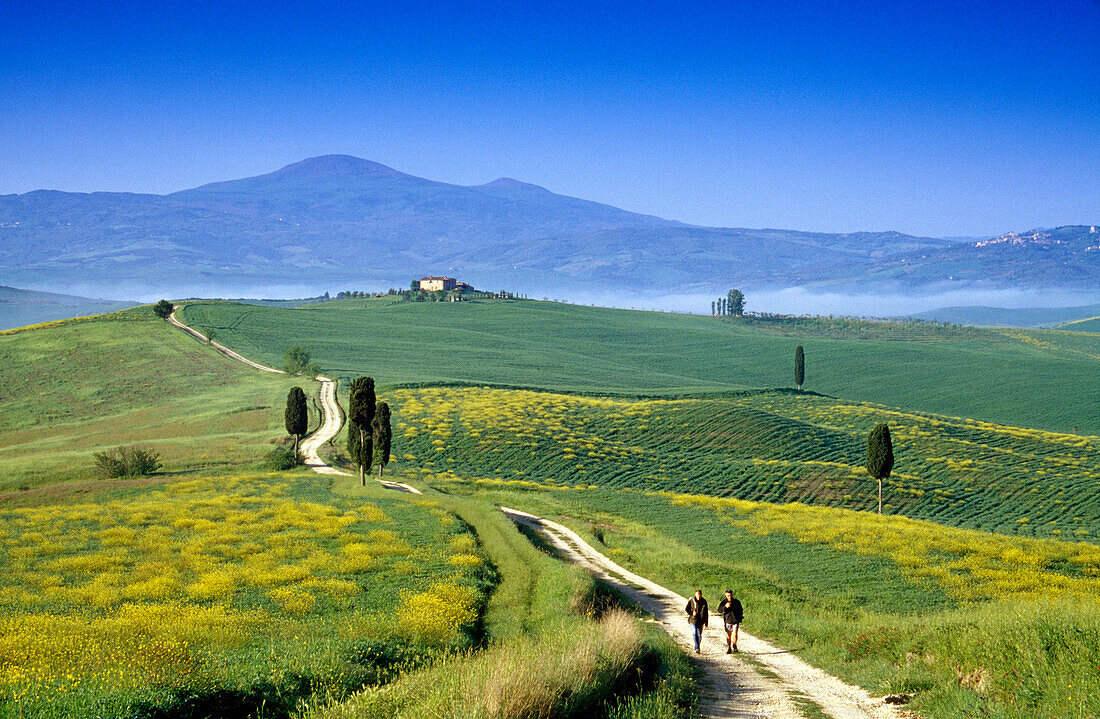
<point>332,419</point>
<point>762,681</point>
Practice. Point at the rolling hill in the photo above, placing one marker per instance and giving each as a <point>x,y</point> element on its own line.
<point>27,307</point>
<point>1029,378</point>
<point>1091,324</point>
<point>1061,317</point>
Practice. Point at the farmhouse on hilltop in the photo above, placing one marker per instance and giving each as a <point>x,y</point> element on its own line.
<point>433,284</point>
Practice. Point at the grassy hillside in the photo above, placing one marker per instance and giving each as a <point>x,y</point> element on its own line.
<point>25,307</point>
<point>973,624</point>
<point>765,446</point>
<point>1090,325</point>
<point>1006,317</point>
<point>1029,378</point>
<point>75,387</point>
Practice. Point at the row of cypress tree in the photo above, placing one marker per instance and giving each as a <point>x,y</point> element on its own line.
<point>368,428</point>
<point>368,425</point>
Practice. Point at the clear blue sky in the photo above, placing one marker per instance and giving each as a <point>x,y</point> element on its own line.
<point>941,118</point>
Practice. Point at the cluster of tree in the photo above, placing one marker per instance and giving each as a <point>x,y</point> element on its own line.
<point>368,428</point>
<point>419,295</point>
<point>361,293</point>
<point>733,304</point>
<point>297,361</point>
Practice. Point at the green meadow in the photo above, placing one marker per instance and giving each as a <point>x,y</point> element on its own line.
<point>673,443</point>
<point>75,387</point>
<point>1089,325</point>
<point>968,623</point>
<point>217,588</point>
<point>1029,378</point>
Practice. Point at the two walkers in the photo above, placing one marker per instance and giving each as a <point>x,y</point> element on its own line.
<point>699,618</point>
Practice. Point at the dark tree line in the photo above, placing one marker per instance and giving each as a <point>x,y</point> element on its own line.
<point>733,304</point>
<point>369,430</point>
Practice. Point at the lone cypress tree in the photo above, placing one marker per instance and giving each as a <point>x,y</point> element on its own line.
<point>296,415</point>
<point>713,309</point>
<point>360,416</point>
<point>382,435</point>
<point>799,367</point>
<point>880,457</point>
<point>163,309</point>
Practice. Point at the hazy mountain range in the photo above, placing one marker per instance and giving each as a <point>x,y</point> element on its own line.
<point>338,222</point>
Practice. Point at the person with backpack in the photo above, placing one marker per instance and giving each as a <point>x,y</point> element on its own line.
<point>732,614</point>
<point>698,617</point>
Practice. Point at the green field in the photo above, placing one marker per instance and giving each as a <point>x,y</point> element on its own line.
<point>1089,325</point>
<point>217,588</point>
<point>972,624</point>
<point>75,387</point>
<point>1028,378</point>
<point>766,446</point>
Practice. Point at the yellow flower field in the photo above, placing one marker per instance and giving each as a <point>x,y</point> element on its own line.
<point>192,583</point>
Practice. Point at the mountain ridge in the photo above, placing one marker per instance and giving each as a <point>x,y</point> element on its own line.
<point>346,219</point>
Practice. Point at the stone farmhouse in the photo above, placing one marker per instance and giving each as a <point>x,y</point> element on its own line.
<point>433,284</point>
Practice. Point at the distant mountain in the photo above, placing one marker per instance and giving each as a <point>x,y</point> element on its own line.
<point>19,308</point>
<point>338,221</point>
<point>1062,257</point>
<point>1004,317</point>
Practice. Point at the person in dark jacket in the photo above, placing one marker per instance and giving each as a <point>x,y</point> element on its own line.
<point>732,614</point>
<point>698,617</point>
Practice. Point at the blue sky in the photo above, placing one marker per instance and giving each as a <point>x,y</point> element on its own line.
<point>939,118</point>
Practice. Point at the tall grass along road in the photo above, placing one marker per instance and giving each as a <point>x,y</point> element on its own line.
<point>734,687</point>
<point>332,420</point>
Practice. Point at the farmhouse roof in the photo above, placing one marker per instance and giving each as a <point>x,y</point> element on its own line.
<point>433,277</point>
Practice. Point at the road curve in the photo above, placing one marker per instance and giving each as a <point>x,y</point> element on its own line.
<point>332,419</point>
<point>736,688</point>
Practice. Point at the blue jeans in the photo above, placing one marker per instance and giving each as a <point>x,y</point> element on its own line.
<point>697,635</point>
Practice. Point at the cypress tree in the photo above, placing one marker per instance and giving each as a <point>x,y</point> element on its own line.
<point>296,416</point>
<point>712,309</point>
<point>382,435</point>
<point>360,416</point>
<point>735,303</point>
<point>880,457</point>
<point>799,367</point>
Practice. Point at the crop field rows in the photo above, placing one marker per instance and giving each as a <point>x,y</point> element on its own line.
<point>771,446</point>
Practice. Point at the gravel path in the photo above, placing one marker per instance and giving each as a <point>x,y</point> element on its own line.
<point>735,686</point>
<point>332,419</point>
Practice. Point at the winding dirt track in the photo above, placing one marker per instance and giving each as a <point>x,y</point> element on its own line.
<point>737,689</point>
<point>332,419</point>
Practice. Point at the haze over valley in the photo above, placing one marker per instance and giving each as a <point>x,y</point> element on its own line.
<point>335,222</point>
